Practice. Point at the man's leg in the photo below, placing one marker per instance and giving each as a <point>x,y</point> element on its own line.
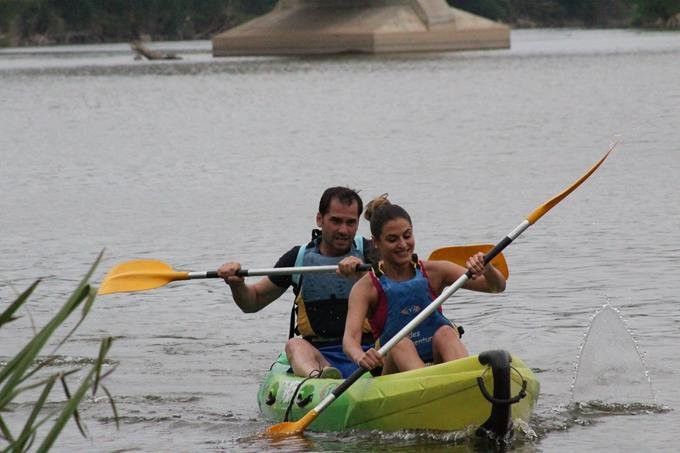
<point>304,358</point>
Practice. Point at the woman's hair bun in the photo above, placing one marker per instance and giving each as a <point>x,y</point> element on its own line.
<point>374,204</point>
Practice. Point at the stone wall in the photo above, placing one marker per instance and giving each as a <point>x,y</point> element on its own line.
<point>296,27</point>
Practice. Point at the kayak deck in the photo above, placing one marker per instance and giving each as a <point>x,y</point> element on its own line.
<point>444,397</point>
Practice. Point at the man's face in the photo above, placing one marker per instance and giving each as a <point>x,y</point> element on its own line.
<point>338,227</point>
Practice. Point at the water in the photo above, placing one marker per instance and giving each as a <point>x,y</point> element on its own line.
<point>610,367</point>
<point>200,161</point>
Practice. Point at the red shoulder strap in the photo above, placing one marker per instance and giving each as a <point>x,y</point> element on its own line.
<point>377,320</point>
<point>433,294</point>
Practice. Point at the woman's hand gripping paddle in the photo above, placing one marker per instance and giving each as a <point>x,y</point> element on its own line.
<point>460,254</point>
<point>298,427</point>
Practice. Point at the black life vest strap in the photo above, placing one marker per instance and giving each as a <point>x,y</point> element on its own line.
<point>319,342</point>
<point>291,328</point>
<point>316,233</point>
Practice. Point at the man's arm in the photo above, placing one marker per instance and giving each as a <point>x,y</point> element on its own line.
<point>252,298</point>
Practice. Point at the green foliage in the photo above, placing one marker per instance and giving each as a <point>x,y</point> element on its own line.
<point>122,20</point>
<point>25,372</point>
<point>64,21</point>
<point>492,9</point>
<point>593,13</point>
<point>649,11</point>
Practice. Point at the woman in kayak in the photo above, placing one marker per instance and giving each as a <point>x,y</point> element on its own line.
<point>398,288</point>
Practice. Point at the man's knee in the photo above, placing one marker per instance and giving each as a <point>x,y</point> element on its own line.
<point>293,345</point>
<point>299,346</point>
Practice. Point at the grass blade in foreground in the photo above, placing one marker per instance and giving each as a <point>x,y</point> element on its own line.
<point>18,375</point>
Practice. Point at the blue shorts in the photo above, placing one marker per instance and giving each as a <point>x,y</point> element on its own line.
<point>337,358</point>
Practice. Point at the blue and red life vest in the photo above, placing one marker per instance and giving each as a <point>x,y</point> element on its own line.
<point>401,301</point>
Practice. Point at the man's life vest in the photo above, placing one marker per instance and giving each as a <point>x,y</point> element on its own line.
<point>321,302</point>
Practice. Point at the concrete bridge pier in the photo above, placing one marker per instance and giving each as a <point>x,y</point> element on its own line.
<point>298,27</point>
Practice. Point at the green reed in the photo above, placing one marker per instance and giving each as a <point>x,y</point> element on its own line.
<point>25,371</point>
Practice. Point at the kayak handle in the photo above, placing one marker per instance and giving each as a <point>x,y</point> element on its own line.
<point>271,398</point>
<point>493,400</point>
<point>302,402</point>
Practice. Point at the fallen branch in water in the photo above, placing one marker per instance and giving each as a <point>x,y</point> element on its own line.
<point>149,54</point>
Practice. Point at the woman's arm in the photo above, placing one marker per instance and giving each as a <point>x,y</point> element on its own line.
<point>486,279</point>
<point>362,296</point>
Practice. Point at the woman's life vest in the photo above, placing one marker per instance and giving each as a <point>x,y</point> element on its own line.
<point>401,301</point>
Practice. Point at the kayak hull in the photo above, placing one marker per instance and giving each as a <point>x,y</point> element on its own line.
<point>444,397</point>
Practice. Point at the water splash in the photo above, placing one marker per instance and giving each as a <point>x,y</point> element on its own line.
<point>465,440</point>
<point>565,417</point>
<point>610,369</point>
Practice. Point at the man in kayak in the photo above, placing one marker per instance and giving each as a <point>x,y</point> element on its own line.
<point>320,298</point>
<point>398,288</point>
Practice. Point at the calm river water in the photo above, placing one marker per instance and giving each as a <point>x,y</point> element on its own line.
<point>204,160</point>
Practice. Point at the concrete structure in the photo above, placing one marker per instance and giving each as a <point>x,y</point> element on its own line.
<point>370,26</point>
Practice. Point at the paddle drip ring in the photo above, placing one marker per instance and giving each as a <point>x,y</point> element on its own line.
<point>493,400</point>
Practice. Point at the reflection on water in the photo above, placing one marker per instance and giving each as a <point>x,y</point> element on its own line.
<point>379,441</point>
<point>204,160</point>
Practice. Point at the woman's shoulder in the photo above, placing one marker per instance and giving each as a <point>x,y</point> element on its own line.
<point>442,270</point>
<point>365,285</point>
<point>433,265</point>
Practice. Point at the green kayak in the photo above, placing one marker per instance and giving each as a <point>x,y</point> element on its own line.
<point>487,391</point>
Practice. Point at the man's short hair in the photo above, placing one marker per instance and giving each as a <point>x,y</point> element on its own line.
<point>344,194</point>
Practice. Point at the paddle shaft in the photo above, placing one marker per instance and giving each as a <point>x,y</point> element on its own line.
<point>275,271</point>
<point>507,240</point>
<point>498,248</point>
<point>145,274</point>
<point>434,305</point>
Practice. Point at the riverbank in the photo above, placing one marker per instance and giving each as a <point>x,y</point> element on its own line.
<point>47,39</point>
<point>22,26</point>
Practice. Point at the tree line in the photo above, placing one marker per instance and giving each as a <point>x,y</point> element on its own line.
<point>95,21</point>
<point>89,21</point>
<point>579,13</point>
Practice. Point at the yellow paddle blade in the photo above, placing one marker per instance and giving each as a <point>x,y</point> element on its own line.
<point>139,275</point>
<point>286,429</point>
<point>460,253</point>
<point>548,205</point>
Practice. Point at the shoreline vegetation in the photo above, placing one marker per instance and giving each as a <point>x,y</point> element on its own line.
<point>34,373</point>
<point>50,22</point>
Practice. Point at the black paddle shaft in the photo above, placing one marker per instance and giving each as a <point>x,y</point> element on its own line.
<point>497,249</point>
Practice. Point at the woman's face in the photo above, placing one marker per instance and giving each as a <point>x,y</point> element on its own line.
<point>396,243</point>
